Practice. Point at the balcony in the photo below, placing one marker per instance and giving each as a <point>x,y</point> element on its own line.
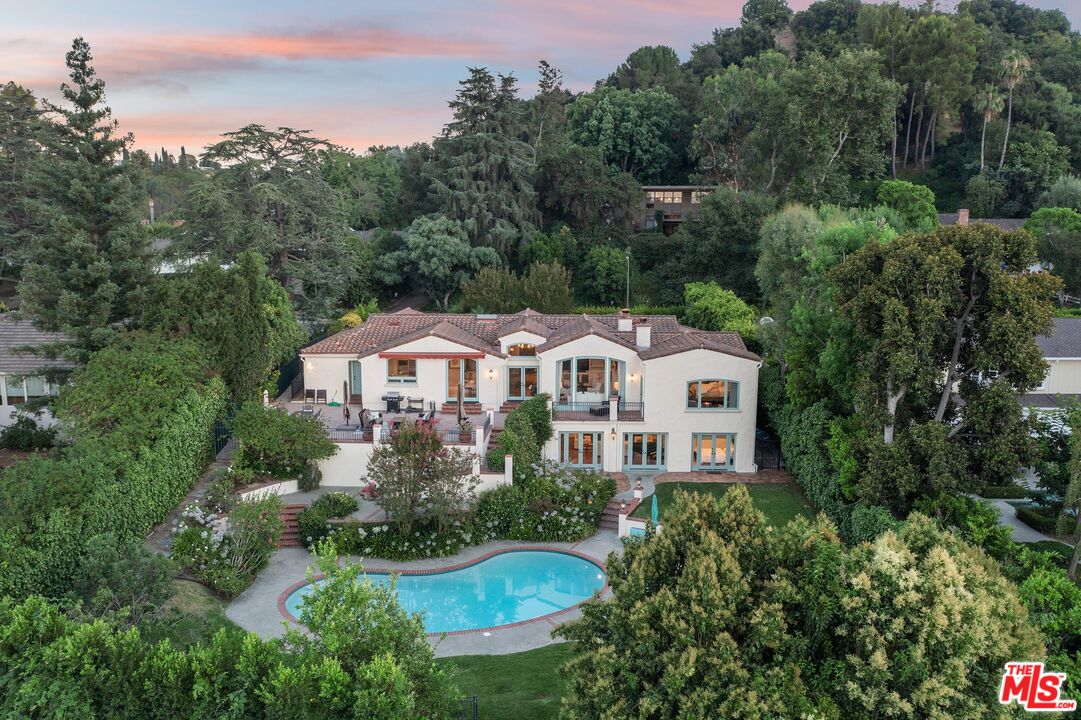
<point>598,411</point>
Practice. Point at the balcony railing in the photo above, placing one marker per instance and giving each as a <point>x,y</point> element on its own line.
<point>358,435</point>
<point>598,411</point>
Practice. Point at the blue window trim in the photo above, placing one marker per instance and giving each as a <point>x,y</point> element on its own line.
<point>730,450</point>
<point>628,451</point>
<point>731,394</point>
<point>598,448</point>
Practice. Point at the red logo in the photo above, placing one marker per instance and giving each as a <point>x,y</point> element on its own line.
<point>1033,689</point>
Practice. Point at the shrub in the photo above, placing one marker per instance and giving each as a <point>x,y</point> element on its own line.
<point>519,439</point>
<point>228,554</point>
<point>868,522</point>
<point>312,521</point>
<point>535,409</point>
<point>558,505</point>
<point>125,579</point>
<point>309,479</point>
<point>1008,492</point>
<point>272,442</point>
<point>1040,519</point>
<point>27,434</point>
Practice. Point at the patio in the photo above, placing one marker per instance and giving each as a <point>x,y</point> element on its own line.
<point>445,423</point>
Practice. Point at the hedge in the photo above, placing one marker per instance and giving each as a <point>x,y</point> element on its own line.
<point>1004,492</point>
<point>676,310</point>
<point>157,478</point>
<point>128,493</point>
<point>1039,519</point>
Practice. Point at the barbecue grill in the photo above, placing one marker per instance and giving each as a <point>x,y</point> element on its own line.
<point>393,399</point>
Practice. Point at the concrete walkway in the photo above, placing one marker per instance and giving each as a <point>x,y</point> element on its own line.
<point>256,609</point>
<point>1021,532</point>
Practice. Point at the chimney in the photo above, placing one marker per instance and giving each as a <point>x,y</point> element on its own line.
<point>962,216</point>
<point>624,320</point>
<point>642,334</point>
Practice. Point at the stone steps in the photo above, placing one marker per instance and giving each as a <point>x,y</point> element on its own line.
<point>291,532</point>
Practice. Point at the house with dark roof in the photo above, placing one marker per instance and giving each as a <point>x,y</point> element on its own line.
<point>1061,385</point>
<point>627,393</point>
<point>21,378</point>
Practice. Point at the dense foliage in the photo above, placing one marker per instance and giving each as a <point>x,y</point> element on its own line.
<point>362,657</point>
<point>273,443</point>
<point>720,616</point>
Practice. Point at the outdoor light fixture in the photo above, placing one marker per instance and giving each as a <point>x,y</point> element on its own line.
<point>632,377</point>
<point>491,373</point>
<point>613,433</point>
<point>622,507</point>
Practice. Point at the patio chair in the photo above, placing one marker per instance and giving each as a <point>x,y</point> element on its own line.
<point>308,410</point>
<point>309,395</point>
<point>321,397</point>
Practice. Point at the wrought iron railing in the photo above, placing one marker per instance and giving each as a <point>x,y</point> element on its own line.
<point>598,411</point>
<point>360,435</point>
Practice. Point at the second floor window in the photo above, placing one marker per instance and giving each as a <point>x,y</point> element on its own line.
<point>712,395</point>
<point>401,370</point>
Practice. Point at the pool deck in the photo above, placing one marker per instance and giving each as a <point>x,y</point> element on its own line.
<point>256,609</point>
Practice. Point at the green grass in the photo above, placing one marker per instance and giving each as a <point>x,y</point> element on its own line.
<point>191,615</point>
<point>779,503</point>
<point>520,686</point>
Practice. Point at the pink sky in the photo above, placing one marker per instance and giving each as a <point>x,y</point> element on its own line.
<point>358,74</point>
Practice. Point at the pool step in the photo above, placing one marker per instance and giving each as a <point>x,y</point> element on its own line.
<point>291,533</point>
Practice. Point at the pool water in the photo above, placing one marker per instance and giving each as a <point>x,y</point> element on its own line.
<point>503,589</point>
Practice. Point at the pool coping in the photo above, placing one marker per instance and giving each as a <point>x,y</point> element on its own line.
<point>451,568</point>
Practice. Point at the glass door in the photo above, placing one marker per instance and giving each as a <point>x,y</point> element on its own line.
<point>521,382</point>
<point>713,451</point>
<point>462,373</point>
<point>354,380</point>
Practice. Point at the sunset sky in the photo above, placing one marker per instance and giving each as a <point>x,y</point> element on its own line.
<point>358,73</point>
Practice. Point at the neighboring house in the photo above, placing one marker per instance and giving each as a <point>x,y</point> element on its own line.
<point>668,206</point>
<point>1061,386</point>
<point>628,393</point>
<point>961,218</point>
<point>19,378</point>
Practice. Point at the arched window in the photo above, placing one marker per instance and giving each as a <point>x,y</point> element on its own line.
<point>522,350</point>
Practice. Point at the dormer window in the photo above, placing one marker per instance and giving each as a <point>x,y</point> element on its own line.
<point>522,350</point>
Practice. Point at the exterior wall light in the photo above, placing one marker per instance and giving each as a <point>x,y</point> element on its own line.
<point>632,378</point>
<point>613,433</point>
<point>491,373</point>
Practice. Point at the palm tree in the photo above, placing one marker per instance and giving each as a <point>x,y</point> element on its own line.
<point>989,102</point>
<point>1014,68</point>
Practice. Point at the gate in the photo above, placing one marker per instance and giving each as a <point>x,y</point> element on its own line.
<point>468,710</point>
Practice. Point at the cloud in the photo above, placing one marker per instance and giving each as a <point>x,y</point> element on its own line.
<point>157,59</point>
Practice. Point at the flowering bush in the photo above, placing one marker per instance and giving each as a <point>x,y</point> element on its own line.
<point>227,552</point>
<point>312,521</point>
<point>556,505</point>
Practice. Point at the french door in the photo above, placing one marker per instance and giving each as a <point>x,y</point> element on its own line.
<point>462,372</point>
<point>521,382</point>
<point>713,451</point>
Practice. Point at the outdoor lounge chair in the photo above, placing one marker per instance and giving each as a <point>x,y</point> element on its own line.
<point>309,395</point>
<point>321,396</point>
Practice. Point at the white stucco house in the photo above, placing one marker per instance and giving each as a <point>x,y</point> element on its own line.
<point>628,393</point>
<point>21,378</point>
<point>1061,385</point>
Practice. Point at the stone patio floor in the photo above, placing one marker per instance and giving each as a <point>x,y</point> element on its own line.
<point>256,609</point>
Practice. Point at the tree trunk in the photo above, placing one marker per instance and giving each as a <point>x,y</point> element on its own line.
<point>1072,569</point>
<point>934,129</point>
<point>1006,138</point>
<point>919,132</point>
<point>908,127</point>
<point>951,370</point>
<point>929,139</point>
<point>893,399</point>
<point>983,141</point>
<point>893,149</point>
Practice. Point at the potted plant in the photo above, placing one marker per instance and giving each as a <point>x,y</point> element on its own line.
<point>465,430</point>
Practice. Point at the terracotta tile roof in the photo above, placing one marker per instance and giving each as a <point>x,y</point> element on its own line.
<point>1001,223</point>
<point>1064,340</point>
<point>1046,401</point>
<point>384,331</point>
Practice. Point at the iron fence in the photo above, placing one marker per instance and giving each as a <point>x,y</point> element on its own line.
<point>598,411</point>
<point>468,711</point>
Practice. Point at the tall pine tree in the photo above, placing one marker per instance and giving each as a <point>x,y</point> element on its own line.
<point>89,265</point>
<point>20,143</point>
<point>482,175</point>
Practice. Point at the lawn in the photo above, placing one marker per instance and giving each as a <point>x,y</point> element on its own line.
<point>192,614</point>
<point>779,503</point>
<point>521,686</point>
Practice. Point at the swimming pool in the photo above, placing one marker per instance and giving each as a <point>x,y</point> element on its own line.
<point>502,589</point>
